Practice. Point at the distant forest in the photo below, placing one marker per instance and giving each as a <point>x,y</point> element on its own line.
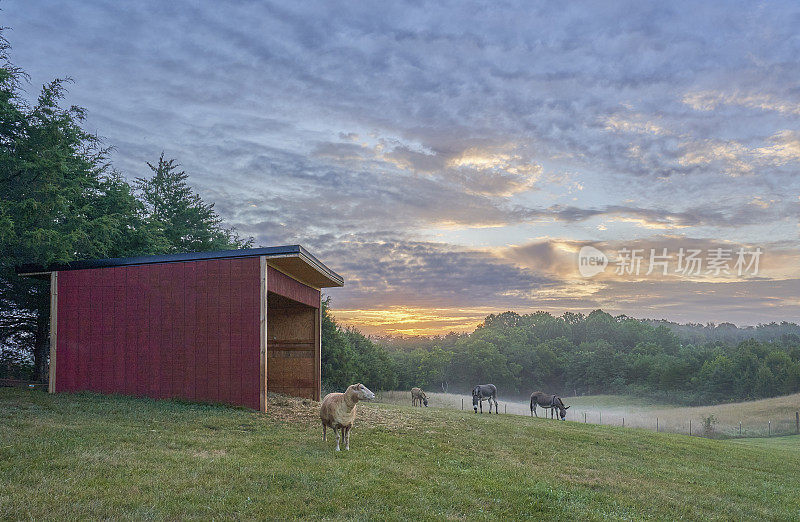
<point>577,354</point>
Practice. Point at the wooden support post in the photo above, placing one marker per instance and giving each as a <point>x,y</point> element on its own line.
<point>263,336</point>
<point>740,428</point>
<point>656,424</point>
<point>462,403</point>
<point>601,417</point>
<point>318,350</point>
<point>623,422</point>
<point>797,422</point>
<point>584,417</point>
<point>690,427</point>
<point>505,408</point>
<point>51,384</point>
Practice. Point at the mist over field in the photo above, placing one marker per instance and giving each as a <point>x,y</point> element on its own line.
<point>755,416</point>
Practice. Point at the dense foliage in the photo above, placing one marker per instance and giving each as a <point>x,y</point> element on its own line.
<point>182,218</point>
<point>349,357</point>
<point>574,354</point>
<point>599,353</point>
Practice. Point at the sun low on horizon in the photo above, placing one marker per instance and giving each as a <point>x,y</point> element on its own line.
<point>451,162</point>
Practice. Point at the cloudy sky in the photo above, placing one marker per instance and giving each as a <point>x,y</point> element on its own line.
<point>450,160</point>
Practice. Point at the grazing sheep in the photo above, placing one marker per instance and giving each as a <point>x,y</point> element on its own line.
<point>418,397</point>
<point>338,410</point>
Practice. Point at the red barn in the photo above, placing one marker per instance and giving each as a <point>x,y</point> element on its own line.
<point>213,326</point>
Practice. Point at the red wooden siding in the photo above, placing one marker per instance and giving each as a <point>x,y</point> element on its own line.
<point>187,329</point>
<point>281,284</point>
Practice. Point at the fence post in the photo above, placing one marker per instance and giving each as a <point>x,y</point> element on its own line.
<point>690,427</point>
<point>462,403</point>
<point>505,408</point>
<point>797,422</point>
<point>601,417</point>
<point>584,417</point>
<point>656,424</point>
<point>623,422</point>
<point>769,428</point>
<point>740,428</point>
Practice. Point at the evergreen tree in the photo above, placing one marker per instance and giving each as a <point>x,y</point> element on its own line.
<point>58,202</point>
<point>183,218</point>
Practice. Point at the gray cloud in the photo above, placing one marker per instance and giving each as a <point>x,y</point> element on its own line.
<point>389,271</point>
<point>357,126</point>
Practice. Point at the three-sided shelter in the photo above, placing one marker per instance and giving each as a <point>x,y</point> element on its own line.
<point>224,327</point>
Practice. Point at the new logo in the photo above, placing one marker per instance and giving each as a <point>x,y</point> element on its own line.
<point>591,261</point>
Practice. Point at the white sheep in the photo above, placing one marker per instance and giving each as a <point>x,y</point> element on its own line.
<point>338,410</point>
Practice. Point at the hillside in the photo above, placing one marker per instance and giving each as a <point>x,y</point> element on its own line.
<point>88,456</point>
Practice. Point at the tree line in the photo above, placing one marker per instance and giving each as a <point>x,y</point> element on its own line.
<point>586,354</point>
<point>61,199</point>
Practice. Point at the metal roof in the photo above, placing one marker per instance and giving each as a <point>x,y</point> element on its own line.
<point>294,253</point>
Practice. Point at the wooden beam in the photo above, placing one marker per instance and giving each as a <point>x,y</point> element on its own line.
<point>51,385</point>
<point>318,351</point>
<point>278,347</point>
<point>276,266</point>
<point>263,336</point>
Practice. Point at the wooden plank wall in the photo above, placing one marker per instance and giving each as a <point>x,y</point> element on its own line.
<point>292,349</point>
<point>188,330</point>
<point>293,335</point>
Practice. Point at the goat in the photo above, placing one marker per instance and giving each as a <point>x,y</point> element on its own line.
<point>338,410</point>
<point>418,397</point>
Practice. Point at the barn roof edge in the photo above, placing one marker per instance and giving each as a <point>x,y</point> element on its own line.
<point>270,252</point>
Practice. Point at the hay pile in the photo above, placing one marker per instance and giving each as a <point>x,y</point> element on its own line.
<point>306,411</point>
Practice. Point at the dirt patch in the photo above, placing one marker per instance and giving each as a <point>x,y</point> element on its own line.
<point>306,411</point>
<point>292,409</point>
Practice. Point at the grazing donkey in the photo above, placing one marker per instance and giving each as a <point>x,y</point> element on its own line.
<point>418,397</point>
<point>550,402</point>
<point>483,392</point>
<point>338,410</point>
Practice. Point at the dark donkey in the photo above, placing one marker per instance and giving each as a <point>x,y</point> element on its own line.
<point>484,392</point>
<point>550,402</point>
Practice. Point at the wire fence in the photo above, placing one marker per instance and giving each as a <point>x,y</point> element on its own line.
<point>711,421</point>
<point>708,426</point>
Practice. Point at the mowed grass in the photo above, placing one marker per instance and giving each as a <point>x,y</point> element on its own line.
<point>789,443</point>
<point>88,456</point>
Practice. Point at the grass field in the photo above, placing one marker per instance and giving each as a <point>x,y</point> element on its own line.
<point>87,456</point>
<point>642,412</point>
<point>789,443</point>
